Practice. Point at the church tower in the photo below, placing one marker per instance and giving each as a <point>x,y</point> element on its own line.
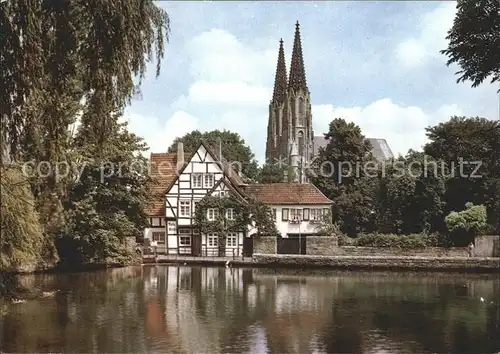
<point>290,119</point>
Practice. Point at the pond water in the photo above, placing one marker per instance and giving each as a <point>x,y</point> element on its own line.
<point>178,309</point>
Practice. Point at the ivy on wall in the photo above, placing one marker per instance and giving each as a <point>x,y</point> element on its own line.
<point>245,213</point>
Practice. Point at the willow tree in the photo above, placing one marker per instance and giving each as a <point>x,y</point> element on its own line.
<point>67,59</point>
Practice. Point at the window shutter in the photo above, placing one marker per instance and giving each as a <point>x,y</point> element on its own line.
<point>305,214</point>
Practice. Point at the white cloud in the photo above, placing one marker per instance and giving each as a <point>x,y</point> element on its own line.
<point>218,56</point>
<point>402,126</point>
<point>158,135</point>
<point>229,93</point>
<point>417,51</point>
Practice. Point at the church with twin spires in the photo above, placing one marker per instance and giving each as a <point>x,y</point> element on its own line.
<point>290,135</point>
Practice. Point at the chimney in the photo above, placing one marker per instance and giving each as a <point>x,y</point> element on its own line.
<point>180,155</point>
<point>218,148</point>
<point>285,176</point>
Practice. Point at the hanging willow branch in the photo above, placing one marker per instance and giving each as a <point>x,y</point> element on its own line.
<point>63,57</point>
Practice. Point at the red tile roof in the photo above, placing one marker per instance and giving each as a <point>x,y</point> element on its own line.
<point>287,194</point>
<point>163,172</point>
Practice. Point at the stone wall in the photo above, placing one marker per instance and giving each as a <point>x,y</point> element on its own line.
<point>321,245</point>
<point>474,264</point>
<point>386,251</point>
<point>264,244</point>
<point>487,246</point>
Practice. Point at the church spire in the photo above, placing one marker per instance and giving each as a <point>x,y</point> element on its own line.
<point>280,81</point>
<point>297,71</point>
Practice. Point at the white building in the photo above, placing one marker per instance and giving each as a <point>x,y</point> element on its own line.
<point>182,183</point>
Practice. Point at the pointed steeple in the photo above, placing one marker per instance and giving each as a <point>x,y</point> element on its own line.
<point>297,71</point>
<point>280,81</point>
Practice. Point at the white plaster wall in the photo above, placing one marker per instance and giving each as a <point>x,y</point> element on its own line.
<point>148,233</point>
<point>285,227</point>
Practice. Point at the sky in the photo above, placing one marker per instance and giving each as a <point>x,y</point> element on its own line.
<point>373,63</point>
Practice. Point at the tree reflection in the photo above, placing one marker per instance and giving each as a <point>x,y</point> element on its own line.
<point>180,309</point>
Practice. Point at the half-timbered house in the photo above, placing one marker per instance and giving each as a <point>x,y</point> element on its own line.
<point>182,183</point>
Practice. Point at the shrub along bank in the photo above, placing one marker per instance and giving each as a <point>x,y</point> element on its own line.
<point>411,241</point>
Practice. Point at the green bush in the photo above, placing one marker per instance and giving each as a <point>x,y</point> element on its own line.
<point>464,225</point>
<point>411,241</point>
<point>473,219</point>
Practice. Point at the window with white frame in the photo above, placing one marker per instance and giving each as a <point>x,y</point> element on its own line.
<point>315,214</point>
<point>222,193</point>
<point>212,240</point>
<point>232,239</point>
<point>195,205</point>
<point>296,214</point>
<point>184,237</point>
<point>230,214</point>
<point>158,236</point>
<point>209,180</point>
<point>212,214</point>
<point>197,180</point>
<point>185,208</point>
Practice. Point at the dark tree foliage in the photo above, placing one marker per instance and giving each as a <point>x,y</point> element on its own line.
<point>335,171</point>
<point>476,142</point>
<point>64,60</point>
<point>271,173</point>
<point>474,41</point>
<point>106,203</point>
<point>413,194</point>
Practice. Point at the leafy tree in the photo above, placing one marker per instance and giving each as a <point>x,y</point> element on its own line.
<point>464,145</point>
<point>339,172</point>
<point>271,173</point>
<point>61,60</point>
<point>107,202</point>
<point>234,148</point>
<point>326,227</point>
<point>467,223</point>
<point>474,41</point>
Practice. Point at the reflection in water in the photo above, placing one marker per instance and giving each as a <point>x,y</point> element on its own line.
<point>212,310</point>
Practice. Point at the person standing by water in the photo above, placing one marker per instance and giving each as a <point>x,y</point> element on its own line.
<point>471,249</point>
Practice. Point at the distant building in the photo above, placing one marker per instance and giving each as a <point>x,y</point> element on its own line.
<point>290,134</point>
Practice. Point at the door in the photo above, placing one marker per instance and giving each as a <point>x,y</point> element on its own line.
<point>196,245</point>
<point>288,245</point>
<point>248,246</point>
<point>293,244</point>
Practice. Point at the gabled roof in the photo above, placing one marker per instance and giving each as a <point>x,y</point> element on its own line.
<point>231,174</point>
<point>287,194</point>
<point>164,174</point>
<point>163,168</point>
<point>237,192</point>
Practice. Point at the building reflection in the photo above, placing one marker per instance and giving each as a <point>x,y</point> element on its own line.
<point>235,310</point>
<point>178,309</point>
